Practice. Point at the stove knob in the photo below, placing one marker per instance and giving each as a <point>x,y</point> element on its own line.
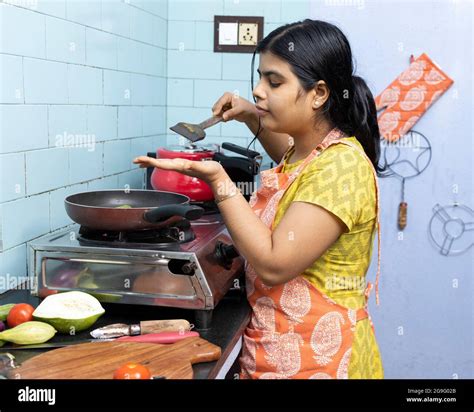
<point>225,253</point>
<point>189,268</point>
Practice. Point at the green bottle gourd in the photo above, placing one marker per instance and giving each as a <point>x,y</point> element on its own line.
<point>28,333</point>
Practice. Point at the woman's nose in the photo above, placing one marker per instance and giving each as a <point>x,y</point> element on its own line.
<point>258,92</point>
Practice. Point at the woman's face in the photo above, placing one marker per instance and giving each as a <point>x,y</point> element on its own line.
<point>277,93</point>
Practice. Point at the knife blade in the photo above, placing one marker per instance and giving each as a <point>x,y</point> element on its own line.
<point>51,345</point>
<point>143,328</point>
<point>162,338</point>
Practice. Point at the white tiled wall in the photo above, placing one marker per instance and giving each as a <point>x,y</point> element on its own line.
<point>197,76</point>
<point>119,70</point>
<point>93,69</point>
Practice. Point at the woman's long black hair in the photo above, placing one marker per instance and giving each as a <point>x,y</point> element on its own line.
<point>317,50</point>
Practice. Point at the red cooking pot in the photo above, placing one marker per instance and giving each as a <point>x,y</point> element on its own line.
<point>171,181</point>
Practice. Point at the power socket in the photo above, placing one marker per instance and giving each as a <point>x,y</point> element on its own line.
<point>237,34</point>
<point>248,34</point>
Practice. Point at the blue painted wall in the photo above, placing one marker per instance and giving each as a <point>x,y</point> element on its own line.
<point>424,324</point>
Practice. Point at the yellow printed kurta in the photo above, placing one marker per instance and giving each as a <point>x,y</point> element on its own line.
<point>340,180</point>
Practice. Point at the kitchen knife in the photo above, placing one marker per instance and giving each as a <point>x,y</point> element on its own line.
<point>143,328</point>
<point>163,338</point>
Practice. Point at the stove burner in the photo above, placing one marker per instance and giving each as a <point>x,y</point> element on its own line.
<point>163,238</point>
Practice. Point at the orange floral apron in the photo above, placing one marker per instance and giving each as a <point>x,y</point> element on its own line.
<point>296,331</point>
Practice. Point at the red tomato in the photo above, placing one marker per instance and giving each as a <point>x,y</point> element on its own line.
<point>20,313</point>
<point>132,371</point>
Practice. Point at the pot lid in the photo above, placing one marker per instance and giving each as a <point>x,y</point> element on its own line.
<point>192,148</point>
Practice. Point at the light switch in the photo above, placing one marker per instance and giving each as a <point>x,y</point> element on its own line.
<point>228,33</point>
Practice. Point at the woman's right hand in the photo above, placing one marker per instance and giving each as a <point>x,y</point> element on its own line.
<point>233,107</point>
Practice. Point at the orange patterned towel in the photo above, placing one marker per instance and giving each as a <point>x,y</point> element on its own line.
<point>409,96</point>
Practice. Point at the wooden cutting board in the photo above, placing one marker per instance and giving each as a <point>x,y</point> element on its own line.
<point>100,360</point>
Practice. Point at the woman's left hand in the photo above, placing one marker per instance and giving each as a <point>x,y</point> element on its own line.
<point>208,170</point>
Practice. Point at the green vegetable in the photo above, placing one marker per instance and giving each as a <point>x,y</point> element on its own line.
<point>87,281</point>
<point>124,207</point>
<point>69,312</point>
<point>28,333</point>
<point>4,309</point>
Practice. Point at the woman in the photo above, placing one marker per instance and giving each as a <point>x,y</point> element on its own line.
<point>307,232</point>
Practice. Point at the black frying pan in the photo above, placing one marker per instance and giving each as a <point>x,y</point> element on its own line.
<point>144,209</point>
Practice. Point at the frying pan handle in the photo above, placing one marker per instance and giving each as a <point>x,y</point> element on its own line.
<point>161,213</point>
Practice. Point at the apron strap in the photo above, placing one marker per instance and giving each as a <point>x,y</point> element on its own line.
<point>361,314</point>
<point>379,242</point>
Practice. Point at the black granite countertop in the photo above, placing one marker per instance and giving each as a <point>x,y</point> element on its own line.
<point>228,323</point>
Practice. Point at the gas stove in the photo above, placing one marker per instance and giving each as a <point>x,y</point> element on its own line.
<point>189,265</point>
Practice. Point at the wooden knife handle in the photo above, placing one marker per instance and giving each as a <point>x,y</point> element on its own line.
<point>402,215</point>
<point>167,325</point>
